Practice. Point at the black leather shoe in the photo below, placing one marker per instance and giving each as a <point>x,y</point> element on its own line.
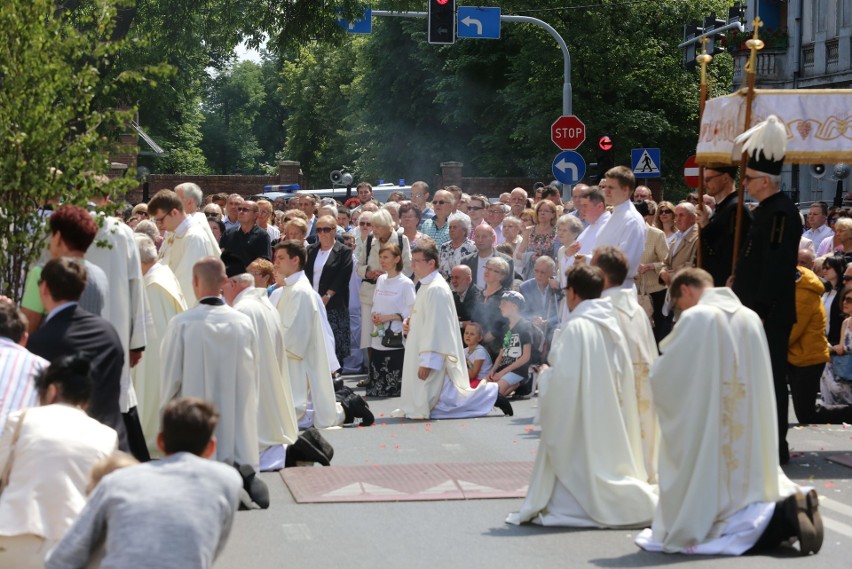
<point>504,405</point>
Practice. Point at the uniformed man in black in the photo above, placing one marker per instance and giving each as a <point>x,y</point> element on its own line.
<point>765,277</point>
<point>717,233</point>
<point>248,241</point>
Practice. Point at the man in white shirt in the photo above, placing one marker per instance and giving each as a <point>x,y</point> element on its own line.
<point>818,230</point>
<point>187,242</point>
<point>264,216</point>
<point>591,204</point>
<point>626,228</point>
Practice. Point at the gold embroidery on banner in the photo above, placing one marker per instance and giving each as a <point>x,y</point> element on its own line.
<point>834,128</point>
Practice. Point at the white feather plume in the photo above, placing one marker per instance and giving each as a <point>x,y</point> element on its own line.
<point>770,136</point>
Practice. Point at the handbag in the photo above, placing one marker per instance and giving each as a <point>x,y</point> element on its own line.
<point>7,469</point>
<point>842,367</point>
<point>392,339</point>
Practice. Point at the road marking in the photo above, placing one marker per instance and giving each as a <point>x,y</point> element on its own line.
<point>448,486</point>
<point>296,532</point>
<point>842,509</point>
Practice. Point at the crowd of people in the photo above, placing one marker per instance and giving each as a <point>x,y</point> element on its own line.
<point>222,330</point>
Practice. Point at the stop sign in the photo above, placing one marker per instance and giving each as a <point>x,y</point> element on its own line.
<point>690,173</point>
<point>568,132</point>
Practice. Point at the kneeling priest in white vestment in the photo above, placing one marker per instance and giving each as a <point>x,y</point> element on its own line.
<point>637,331</point>
<point>435,381</point>
<point>300,310</point>
<point>209,352</point>
<point>588,470</point>
<point>721,488</point>
<point>276,414</point>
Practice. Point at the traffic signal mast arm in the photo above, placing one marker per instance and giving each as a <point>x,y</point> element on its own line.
<point>711,32</point>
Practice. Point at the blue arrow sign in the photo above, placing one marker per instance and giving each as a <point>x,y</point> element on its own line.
<point>645,162</point>
<point>569,167</point>
<point>481,23</point>
<point>364,25</point>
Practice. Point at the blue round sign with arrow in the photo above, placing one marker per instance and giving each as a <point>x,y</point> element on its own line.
<point>569,167</point>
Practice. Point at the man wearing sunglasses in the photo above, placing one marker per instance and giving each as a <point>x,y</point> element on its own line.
<point>717,232</point>
<point>248,241</point>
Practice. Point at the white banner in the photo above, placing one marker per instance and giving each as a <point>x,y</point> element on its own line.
<point>818,121</point>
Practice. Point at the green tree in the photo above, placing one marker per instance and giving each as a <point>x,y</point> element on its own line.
<point>231,108</point>
<point>50,70</point>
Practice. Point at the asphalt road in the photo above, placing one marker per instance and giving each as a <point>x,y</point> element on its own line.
<point>472,533</point>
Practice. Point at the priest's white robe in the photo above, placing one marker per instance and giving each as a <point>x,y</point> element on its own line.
<point>434,341</point>
<point>718,452</point>
<point>300,310</point>
<point>116,253</point>
<point>165,301</point>
<point>588,470</point>
<point>182,249</point>
<point>636,328</point>
<point>276,414</point>
<point>208,352</point>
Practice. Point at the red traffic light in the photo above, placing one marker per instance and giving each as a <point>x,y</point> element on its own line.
<point>442,2</point>
<point>605,143</point>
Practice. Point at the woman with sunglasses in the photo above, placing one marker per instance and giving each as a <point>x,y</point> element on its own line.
<point>664,221</point>
<point>328,268</point>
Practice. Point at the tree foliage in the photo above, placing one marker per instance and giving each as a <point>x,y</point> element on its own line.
<point>54,136</point>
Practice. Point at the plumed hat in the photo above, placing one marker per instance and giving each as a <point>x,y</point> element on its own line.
<point>765,144</point>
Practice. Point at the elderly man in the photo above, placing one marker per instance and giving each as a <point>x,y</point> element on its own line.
<point>626,228</point>
<point>818,230</point>
<point>542,296</point>
<point>187,241</point>
<point>766,270</point>
<point>685,245</point>
<point>248,241</point>
<point>458,247</point>
<point>518,201</point>
<point>266,219</point>
<point>438,228</point>
<point>717,233</point>
<point>495,215</point>
<point>276,414</point>
<point>209,352</point>
<point>165,301</point>
<point>588,470</point>
<point>576,192</point>
<point>636,328</point>
<point>484,238</point>
<point>192,196</point>
<point>721,490</point>
<point>642,193</point>
<point>435,381</point>
<point>465,297</point>
<point>307,203</point>
<point>231,219</point>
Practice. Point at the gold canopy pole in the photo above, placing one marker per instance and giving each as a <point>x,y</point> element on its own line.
<point>703,60</point>
<point>755,44</point>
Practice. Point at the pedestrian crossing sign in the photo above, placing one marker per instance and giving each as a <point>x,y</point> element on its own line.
<point>646,162</point>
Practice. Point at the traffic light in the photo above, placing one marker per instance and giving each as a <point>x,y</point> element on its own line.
<point>714,46</point>
<point>605,154</point>
<point>689,52</point>
<point>736,13</point>
<point>442,22</point>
